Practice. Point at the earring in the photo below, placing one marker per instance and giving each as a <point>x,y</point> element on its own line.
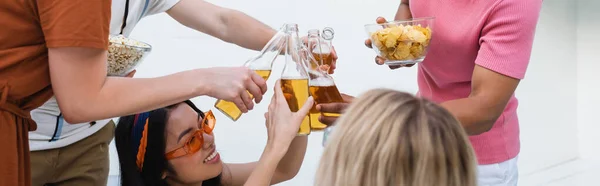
<point>164,175</point>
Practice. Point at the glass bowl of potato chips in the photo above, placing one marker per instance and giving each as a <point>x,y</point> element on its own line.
<point>402,42</point>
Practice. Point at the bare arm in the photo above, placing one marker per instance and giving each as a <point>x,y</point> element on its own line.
<point>490,93</point>
<point>403,11</point>
<point>77,58</point>
<point>502,59</point>
<point>85,93</point>
<point>282,127</point>
<point>226,24</point>
<point>77,62</point>
<point>285,168</point>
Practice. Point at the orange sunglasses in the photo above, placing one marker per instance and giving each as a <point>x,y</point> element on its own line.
<point>195,142</point>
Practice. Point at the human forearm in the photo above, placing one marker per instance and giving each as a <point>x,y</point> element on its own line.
<point>246,31</point>
<point>79,81</point>
<point>265,168</point>
<point>226,24</point>
<point>145,94</point>
<point>110,100</point>
<point>403,11</point>
<point>290,164</point>
<point>475,115</point>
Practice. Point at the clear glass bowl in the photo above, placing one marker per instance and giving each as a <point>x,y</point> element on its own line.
<point>124,55</point>
<point>401,42</point>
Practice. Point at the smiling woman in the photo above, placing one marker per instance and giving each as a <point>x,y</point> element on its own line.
<point>175,145</point>
<point>153,147</point>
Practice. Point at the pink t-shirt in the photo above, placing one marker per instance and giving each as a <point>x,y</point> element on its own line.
<point>494,34</point>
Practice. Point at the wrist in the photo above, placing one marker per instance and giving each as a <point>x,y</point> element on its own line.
<point>200,81</point>
<point>275,150</point>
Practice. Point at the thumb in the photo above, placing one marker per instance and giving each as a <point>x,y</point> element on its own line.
<point>306,107</point>
<point>130,74</point>
<point>380,20</point>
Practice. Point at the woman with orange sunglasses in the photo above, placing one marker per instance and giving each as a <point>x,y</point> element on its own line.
<point>175,146</point>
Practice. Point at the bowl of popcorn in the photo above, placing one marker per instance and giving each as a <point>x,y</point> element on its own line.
<point>125,54</point>
<point>402,42</point>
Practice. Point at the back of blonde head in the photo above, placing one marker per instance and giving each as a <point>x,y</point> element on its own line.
<point>390,138</point>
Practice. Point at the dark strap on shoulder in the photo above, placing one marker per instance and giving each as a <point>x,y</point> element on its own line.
<point>125,16</point>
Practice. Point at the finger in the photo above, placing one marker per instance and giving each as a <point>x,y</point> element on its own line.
<point>130,74</point>
<point>379,60</point>
<point>332,107</point>
<point>247,100</point>
<point>334,53</point>
<point>304,40</point>
<point>333,66</point>
<point>324,68</point>
<point>380,20</point>
<point>272,104</point>
<point>347,98</point>
<point>395,66</point>
<point>280,98</point>
<point>255,90</point>
<point>240,104</point>
<point>328,120</point>
<point>368,43</point>
<point>267,121</point>
<point>306,107</point>
<point>260,88</point>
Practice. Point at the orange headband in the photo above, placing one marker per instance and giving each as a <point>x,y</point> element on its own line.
<point>142,148</point>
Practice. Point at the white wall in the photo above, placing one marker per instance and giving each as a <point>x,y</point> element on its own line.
<point>547,97</point>
<point>588,88</point>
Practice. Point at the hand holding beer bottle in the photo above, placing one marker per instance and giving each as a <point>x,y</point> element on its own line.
<point>294,78</point>
<point>261,65</point>
<point>324,51</point>
<point>338,108</point>
<point>282,123</point>
<point>321,86</point>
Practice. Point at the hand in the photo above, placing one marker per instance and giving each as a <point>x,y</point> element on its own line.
<point>329,69</point>
<point>338,108</point>
<point>234,84</point>
<point>282,123</point>
<point>130,74</point>
<point>334,63</point>
<point>379,60</point>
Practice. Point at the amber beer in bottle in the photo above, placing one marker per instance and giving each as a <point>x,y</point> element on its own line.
<point>229,108</point>
<point>262,65</point>
<point>294,78</point>
<point>295,91</point>
<point>321,50</point>
<point>321,85</point>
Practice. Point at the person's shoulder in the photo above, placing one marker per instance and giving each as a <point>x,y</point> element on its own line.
<point>518,4</point>
<point>160,6</point>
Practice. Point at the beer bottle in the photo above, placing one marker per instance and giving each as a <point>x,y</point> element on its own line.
<point>321,85</point>
<point>294,78</point>
<point>262,65</point>
<point>322,47</point>
<point>327,134</point>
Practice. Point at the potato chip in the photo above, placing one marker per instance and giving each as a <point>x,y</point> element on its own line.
<point>416,49</point>
<point>392,39</point>
<point>402,42</point>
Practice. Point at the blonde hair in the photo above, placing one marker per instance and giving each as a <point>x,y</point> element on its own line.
<point>389,138</point>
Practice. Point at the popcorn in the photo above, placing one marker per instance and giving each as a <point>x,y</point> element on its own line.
<point>402,42</point>
<point>124,54</point>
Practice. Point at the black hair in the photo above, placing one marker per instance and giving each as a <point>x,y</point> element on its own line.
<point>155,162</point>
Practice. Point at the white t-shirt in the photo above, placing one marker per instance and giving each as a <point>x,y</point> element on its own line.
<point>52,130</point>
